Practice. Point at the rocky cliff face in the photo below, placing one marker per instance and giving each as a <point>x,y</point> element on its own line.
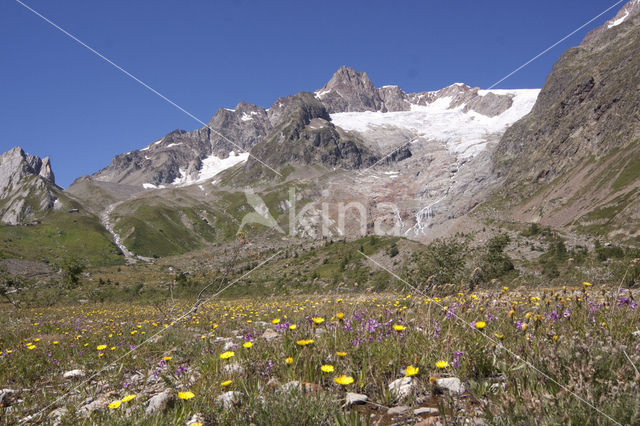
<point>27,186</point>
<point>582,135</point>
<point>179,156</point>
<point>304,135</point>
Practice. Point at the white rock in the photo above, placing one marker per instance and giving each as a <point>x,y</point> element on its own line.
<point>401,388</point>
<point>227,399</point>
<point>73,373</point>
<point>426,410</point>
<point>270,334</point>
<point>233,368</point>
<point>158,402</point>
<point>353,398</point>
<point>451,384</point>
<point>196,418</point>
<point>58,414</point>
<point>401,409</point>
<point>294,385</point>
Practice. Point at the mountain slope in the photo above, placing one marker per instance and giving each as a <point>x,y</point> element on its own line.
<point>574,160</point>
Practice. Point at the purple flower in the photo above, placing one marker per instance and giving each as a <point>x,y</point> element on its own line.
<point>180,370</point>
<point>567,314</point>
<point>456,358</point>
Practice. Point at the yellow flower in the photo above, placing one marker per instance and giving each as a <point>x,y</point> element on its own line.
<point>411,370</point>
<point>55,342</point>
<point>480,325</point>
<point>327,368</point>
<point>227,355</point>
<point>442,364</point>
<point>276,321</point>
<point>340,315</point>
<point>128,398</point>
<point>317,320</point>
<point>499,336</point>
<point>185,395</point>
<point>226,383</point>
<point>555,338</point>
<point>115,404</point>
<point>293,327</point>
<point>101,347</point>
<point>289,360</point>
<point>511,313</point>
<point>167,358</point>
<point>525,326</point>
<point>341,354</point>
<point>587,284</point>
<point>528,315</point>
<point>247,345</point>
<point>399,327</point>
<point>304,342</point>
<point>343,380</point>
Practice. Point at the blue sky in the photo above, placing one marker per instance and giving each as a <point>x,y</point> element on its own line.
<point>60,100</point>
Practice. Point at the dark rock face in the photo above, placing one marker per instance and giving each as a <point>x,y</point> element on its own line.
<point>304,135</point>
<point>27,186</point>
<point>589,106</point>
<point>349,90</point>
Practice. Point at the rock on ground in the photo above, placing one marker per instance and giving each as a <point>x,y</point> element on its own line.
<point>451,384</point>
<point>401,388</point>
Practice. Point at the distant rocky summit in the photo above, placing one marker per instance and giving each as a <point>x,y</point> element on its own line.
<point>27,186</point>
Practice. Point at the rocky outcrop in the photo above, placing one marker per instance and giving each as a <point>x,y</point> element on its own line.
<point>305,136</point>
<point>27,186</point>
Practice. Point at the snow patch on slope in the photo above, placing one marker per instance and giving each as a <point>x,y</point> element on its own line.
<point>619,20</point>
<point>465,133</point>
<point>211,166</point>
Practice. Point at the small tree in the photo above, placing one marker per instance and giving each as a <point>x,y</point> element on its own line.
<point>72,269</point>
<point>10,285</point>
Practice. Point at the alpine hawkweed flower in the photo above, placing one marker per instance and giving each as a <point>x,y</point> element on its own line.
<point>226,383</point>
<point>115,404</point>
<point>327,368</point>
<point>317,320</point>
<point>343,380</point>
<point>247,345</point>
<point>411,370</point>
<point>227,355</point>
<point>480,325</point>
<point>398,327</point>
<point>185,395</point>
<point>128,398</point>
<point>442,364</point>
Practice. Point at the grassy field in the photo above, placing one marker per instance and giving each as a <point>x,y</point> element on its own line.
<point>543,356</point>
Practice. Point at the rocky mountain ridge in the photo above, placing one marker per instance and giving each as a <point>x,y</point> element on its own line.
<point>575,159</point>
<point>27,186</point>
